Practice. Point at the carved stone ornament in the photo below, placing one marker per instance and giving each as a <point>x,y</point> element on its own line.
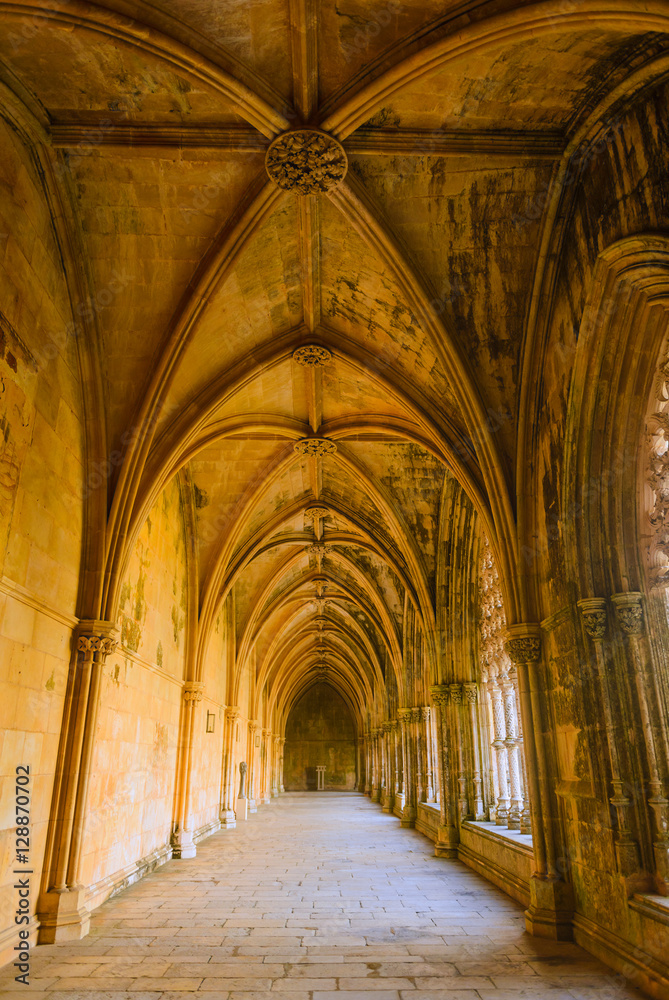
<point>524,650</point>
<point>593,614</point>
<point>312,354</point>
<point>96,644</point>
<point>318,548</point>
<point>192,691</point>
<point>440,694</point>
<point>306,161</point>
<point>471,692</point>
<point>315,446</point>
<point>629,612</point>
<point>456,694</point>
<point>312,512</point>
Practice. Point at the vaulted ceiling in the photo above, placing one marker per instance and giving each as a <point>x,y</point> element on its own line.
<point>413,275</point>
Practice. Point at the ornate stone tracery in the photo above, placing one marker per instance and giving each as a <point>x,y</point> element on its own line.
<point>315,446</point>
<point>306,161</point>
<point>312,355</point>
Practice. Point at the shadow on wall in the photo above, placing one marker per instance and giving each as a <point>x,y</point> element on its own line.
<point>320,733</point>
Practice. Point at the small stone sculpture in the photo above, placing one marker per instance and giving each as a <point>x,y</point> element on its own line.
<point>242,780</point>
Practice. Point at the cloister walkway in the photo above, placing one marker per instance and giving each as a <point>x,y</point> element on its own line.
<point>317,894</point>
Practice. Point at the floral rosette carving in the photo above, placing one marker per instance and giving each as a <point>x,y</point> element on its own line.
<point>306,161</point>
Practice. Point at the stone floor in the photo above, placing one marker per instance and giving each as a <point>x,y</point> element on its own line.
<point>316,895</point>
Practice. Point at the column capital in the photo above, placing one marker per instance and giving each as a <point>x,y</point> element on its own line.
<point>415,714</point>
<point>471,690</point>
<point>266,732</point>
<point>441,694</point>
<point>629,612</point>
<point>456,693</point>
<point>254,725</point>
<point>192,691</point>
<point>95,636</point>
<point>523,642</point>
<point>425,713</point>
<point>277,741</point>
<point>594,616</point>
<point>404,714</point>
<point>232,712</point>
<point>386,726</point>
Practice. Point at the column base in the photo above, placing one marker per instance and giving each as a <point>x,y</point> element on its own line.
<point>182,845</point>
<point>376,795</point>
<point>551,909</point>
<point>63,916</point>
<point>228,819</point>
<point>253,805</point>
<point>446,844</point>
<point>408,819</point>
<point>242,810</point>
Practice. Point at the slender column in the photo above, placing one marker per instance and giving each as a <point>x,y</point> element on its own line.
<point>276,745</point>
<point>456,702</point>
<point>368,764</point>
<point>376,769</point>
<point>499,746</point>
<point>409,810</point>
<point>389,795</point>
<point>282,743</point>
<point>253,727</point>
<point>397,776</point>
<point>629,612</point>
<point>229,790</point>
<point>182,836</point>
<point>510,741</point>
<point>62,909</point>
<point>525,816</point>
<point>428,756</point>
<point>359,765</point>
<point>265,766</point>
<point>446,845</point>
<point>417,747</point>
<point>494,776</point>
<point>471,695</point>
<point>551,900</point>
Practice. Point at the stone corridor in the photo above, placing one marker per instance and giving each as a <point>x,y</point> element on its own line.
<point>315,895</point>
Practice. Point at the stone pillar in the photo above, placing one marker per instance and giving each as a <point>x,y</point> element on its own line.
<point>252,757</point>
<point>360,764</point>
<point>276,752</point>
<point>368,763</point>
<point>458,732</point>
<point>376,770</point>
<point>499,746</point>
<point>551,900</point>
<point>513,760</point>
<point>229,790</point>
<point>409,811</point>
<point>446,845</point>
<point>389,794</point>
<point>428,753</point>
<point>471,696</point>
<point>630,617</point>
<point>62,910</point>
<point>397,761</point>
<point>282,743</point>
<point>182,836</point>
<point>265,766</point>
<point>419,755</point>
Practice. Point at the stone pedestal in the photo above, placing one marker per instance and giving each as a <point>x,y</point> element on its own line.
<point>182,844</point>
<point>63,916</point>
<point>551,909</point>
<point>228,819</point>
<point>446,844</point>
<point>242,809</point>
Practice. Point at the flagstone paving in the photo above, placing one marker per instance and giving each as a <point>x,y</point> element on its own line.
<point>315,896</point>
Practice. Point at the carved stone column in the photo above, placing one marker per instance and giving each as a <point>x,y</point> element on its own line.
<point>359,764</point>
<point>265,766</point>
<point>376,765</point>
<point>389,795</point>
<point>630,616</point>
<point>551,899</point>
<point>62,909</point>
<point>471,696</point>
<point>499,746</point>
<point>418,756</point>
<point>404,716</point>
<point>513,761</point>
<point>428,766</point>
<point>446,845</point>
<point>282,743</point>
<point>595,622</point>
<point>276,752</point>
<point>182,835</point>
<point>253,728</point>
<point>458,731</point>
<point>229,790</point>
<point>397,762</point>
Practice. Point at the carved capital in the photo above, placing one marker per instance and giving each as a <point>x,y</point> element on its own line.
<point>456,694</point>
<point>312,355</point>
<point>471,690</point>
<point>629,612</point>
<point>254,725</point>
<point>232,712</point>
<point>306,161</point>
<point>425,713</point>
<point>440,694</point>
<point>192,692</point>
<point>92,636</point>
<point>315,446</point>
<point>523,643</point>
<point>404,716</point>
<point>593,616</point>
<point>386,726</point>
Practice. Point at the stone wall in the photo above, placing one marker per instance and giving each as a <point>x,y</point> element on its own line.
<point>320,731</point>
